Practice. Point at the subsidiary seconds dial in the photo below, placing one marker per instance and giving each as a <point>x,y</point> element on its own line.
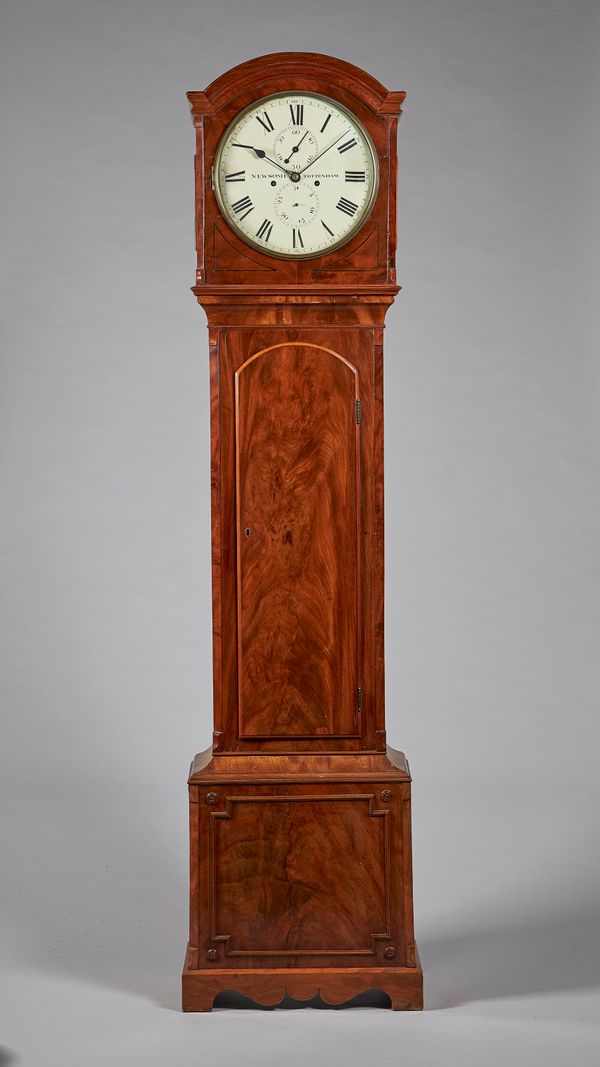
<point>295,175</point>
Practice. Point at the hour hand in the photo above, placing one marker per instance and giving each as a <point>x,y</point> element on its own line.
<point>259,151</point>
<point>261,155</point>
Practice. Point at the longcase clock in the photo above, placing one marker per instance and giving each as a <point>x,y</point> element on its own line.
<point>300,820</point>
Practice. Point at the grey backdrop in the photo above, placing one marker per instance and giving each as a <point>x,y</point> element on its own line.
<point>492,524</point>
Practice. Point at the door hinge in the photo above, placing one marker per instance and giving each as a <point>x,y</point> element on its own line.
<point>358,411</point>
<point>359,698</point>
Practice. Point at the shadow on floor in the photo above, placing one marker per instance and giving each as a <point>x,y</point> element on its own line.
<point>548,954</point>
<point>7,1057</point>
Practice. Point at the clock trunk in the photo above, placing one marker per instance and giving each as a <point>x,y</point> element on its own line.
<point>294,539</point>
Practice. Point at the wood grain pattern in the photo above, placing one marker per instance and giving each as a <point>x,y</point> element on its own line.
<point>287,909</point>
<point>300,825</point>
<point>298,524</point>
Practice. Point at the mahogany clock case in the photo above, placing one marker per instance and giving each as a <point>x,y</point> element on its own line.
<point>225,259</point>
<point>300,864</point>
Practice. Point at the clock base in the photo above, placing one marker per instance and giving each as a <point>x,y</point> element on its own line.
<point>335,985</point>
<point>299,859</point>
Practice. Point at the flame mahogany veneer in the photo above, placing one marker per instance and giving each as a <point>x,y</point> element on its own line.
<point>300,825</point>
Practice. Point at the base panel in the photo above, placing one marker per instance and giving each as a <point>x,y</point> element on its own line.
<point>336,985</point>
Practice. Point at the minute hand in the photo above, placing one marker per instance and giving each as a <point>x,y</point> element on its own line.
<point>312,163</point>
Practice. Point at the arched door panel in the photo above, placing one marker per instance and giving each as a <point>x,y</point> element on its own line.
<point>298,524</point>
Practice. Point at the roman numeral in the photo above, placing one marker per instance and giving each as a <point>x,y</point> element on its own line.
<point>327,228</point>
<point>325,123</point>
<point>355,175</point>
<point>264,230</point>
<point>236,176</point>
<point>348,206</point>
<point>266,122</point>
<point>297,239</point>
<point>297,111</point>
<point>347,145</point>
<point>245,205</point>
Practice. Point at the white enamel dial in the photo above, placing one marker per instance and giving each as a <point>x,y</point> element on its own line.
<point>295,174</point>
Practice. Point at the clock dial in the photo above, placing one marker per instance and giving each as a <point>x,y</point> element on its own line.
<point>295,175</point>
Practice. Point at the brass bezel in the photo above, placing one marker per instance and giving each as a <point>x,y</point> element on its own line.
<point>221,202</point>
